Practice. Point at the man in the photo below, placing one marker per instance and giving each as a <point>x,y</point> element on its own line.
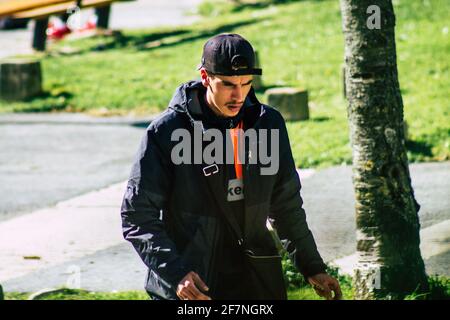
<point>200,226</point>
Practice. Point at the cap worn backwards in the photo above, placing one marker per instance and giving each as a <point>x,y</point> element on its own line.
<point>229,54</point>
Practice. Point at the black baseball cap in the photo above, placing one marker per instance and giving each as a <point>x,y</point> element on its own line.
<point>229,54</point>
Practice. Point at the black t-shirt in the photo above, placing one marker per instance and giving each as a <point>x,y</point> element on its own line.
<point>231,260</point>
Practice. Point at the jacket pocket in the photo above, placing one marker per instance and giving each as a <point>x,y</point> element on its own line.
<point>197,248</point>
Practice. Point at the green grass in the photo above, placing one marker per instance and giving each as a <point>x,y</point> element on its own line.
<point>300,44</point>
<point>439,290</point>
<point>297,287</point>
<point>71,294</point>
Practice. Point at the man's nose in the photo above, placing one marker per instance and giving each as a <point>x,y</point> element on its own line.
<point>237,93</point>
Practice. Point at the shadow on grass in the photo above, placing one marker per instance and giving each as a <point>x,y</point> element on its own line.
<point>419,148</point>
<point>320,119</point>
<point>195,36</point>
<point>51,102</point>
<point>256,5</point>
<point>47,108</point>
<point>120,41</point>
<point>48,94</point>
<point>239,6</point>
<point>264,88</point>
<point>155,40</point>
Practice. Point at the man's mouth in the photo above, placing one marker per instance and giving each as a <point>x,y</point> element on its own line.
<point>234,107</point>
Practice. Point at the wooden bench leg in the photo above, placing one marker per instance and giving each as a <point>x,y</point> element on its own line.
<point>103,16</point>
<point>40,35</point>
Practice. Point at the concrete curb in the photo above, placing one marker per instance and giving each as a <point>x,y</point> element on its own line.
<point>72,118</point>
<point>44,292</point>
<point>53,234</point>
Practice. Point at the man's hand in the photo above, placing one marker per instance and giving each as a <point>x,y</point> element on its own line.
<point>190,286</point>
<point>324,284</point>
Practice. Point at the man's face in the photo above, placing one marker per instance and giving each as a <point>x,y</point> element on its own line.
<point>226,94</point>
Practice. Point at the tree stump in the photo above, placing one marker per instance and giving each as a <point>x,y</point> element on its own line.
<point>20,79</point>
<point>291,102</point>
<point>257,80</point>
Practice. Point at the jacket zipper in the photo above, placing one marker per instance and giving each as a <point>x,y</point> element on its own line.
<point>211,279</point>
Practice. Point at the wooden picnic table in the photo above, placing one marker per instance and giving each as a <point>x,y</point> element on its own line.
<point>41,10</point>
<point>9,7</point>
<point>60,8</point>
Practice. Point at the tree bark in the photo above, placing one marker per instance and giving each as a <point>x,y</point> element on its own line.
<point>389,259</point>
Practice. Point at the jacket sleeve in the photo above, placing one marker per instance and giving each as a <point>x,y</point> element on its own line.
<point>288,215</point>
<point>146,196</point>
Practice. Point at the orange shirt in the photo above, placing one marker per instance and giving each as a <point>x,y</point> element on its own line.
<point>234,133</point>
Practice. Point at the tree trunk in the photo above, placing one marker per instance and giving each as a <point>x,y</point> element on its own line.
<point>389,259</point>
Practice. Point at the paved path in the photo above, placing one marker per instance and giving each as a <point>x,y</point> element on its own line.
<point>43,163</point>
<point>329,202</point>
<point>80,239</point>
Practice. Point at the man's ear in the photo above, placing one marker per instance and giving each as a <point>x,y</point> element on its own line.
<point>204,77</point>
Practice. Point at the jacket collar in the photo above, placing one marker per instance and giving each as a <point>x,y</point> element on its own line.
<point>185,100</point>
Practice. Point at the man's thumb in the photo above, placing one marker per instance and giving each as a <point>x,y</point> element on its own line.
<point>200,282</point>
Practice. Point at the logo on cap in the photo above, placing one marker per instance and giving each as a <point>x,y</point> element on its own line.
<point>239,62</point>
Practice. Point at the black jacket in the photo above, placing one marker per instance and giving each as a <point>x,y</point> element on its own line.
<point>173,223</point>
